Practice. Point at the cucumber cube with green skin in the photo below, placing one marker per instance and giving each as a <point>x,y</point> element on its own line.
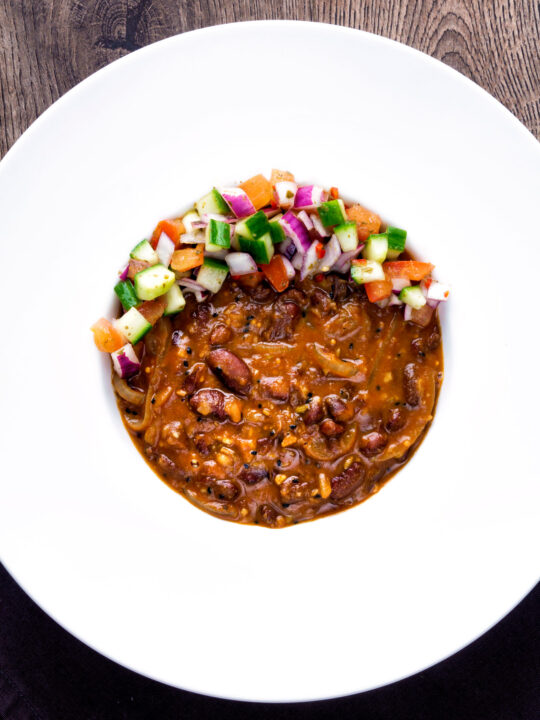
<point>144,251</point>
<point>332,213</point>
<point>154,281</point>
<point>175,301</point>
<point>212,204</point>
<point>396,242</point>
<point>218,236</point>
<point>261,249</point>
<point>376,248</point>
<point>276,231</point>
<point>212,274</point>
<point>126,294</point>
<point>413,296</point>
<point>347,234</point>
<point>133,325</point>
<point>367,271</point>
<point>254,226</point>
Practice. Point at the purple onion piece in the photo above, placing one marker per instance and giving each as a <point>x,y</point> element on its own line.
<point>310,262</point>
<point>125,361</point>
<point>239,202</point>
<point>295,229</point>
<point>319,227</point>
<point>332,253</point>
<point>304,217</point>
<point>287,248</point>
<point>124,273</point>
<point>240,263</point>
<point>309,196</point>
<point>289,269</point>
<point>343,263</point>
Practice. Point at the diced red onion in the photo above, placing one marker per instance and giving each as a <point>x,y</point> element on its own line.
<point>311,261</point>
<point>304,217</point>
<point>437,291</point>
<point>217,254</point>
<point>296,230</point>
<point>394,300</point>
<point>309,196</point>
<point>240,263</point>
<point>399,283</point>
<point>289,269</point>
<point>285,193</point>
<point>165,249</point>
<point>343,263</point>
<point>238,201</point>
<point>287,248</point>
<point>194,287</point>
<point>332,252</point>
<point>125,361</point>
<point>298,261</point>
<point>206,217</point>
<point>319,227</point>
<point>383,303</point>
<point>124,273</point>
<point>271,212</point>
<point>433,303</point>
<point>191,237</point>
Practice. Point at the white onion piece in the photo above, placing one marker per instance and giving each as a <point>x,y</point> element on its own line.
<point>194,287</point>
<point>332,252</point>
<point>309,196</point>
<point>399,283</point>
<point>297,261</point>
<point>394,300</point>
<point>217,254</point>
<point>311,261</point>
<point>240,263</point>
<point>319,227</point>
<point>433,303</point>
<point>438,291</point>
<point>408,312</point>
<point>285,192</point>
<point>165,249</point>
<point>239,202</point>
<point>191,237</point>
<point>289,269</point>
<point>304,217</point>
<point>343,263</point>
<point>125,361</point>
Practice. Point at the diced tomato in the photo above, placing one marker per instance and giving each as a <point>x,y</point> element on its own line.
<point>281,176</point>
<point>251,280</point>
<point>106,336</point>
<point>367,222</point>
<point>188,258</point>
<point>258,190</point>
<point>136,266</point>
<point>172,228</point>
<point>410,269</point>
<point>276,273</point>
<point>153,309</point>
<point>378,290</point>
<point>319,249</point>
<point>319,277</point>
<point>334,193</point>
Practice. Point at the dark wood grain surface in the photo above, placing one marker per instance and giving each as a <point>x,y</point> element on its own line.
<point>48,46</point>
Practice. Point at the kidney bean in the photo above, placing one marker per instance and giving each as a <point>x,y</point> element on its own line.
<point>225,489</point>
<point>275,387</point>
<point>253,474</point>
<point>314,413</point>
<point>410,384</point>
<point>195,378</point>
<point>338,409</point>
<point>373,443</point>
<point>209,402</point>
<point>293,489</point>
<point>220,334</point>
<point>267,514</point>
<point>396,419</point>
<point>285,318</point>
<point>347,481</point>
<point>330,428</point>
<point>321,300</point>
<point>230,369</point>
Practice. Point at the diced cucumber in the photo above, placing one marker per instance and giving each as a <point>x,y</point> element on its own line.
<point>254,226</point>
<point>212,204</point>
<point>376,248</point>
<point>218,236</point>
<point>396,242</point>
<point>154,281</point>
<point>347,234</point>
<point>144,251</point>
<point>126,294</point>
<point>175,301</point>
<point>189,218</point>
<point>365,271</point>
<point>413,296</point>
<point>276,231</point>
<point>261,249</point>
<point>212,274</point>
<point>133,325</point>
<point>332,213</point>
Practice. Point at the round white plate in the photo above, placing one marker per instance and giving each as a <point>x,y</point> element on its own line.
<point>345,603</point>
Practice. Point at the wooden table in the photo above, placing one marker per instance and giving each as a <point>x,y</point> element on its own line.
<point>48,46</point>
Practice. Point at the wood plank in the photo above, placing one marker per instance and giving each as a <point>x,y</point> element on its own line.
<point>47,46</point>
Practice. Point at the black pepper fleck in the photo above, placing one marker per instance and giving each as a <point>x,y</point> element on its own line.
<point>278,463</point>
<point>253,452</point>
<point>188,350</point>
<point>186,364</point>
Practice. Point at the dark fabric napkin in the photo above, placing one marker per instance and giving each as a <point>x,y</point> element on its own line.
<point>46,674</point>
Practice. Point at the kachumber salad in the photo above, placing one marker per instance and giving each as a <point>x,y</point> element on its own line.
<point>278,356</point>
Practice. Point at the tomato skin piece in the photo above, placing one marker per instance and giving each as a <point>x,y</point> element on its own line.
<point>276,273</point>
<point>409,269</point>
<point>251,280</point>
<point>188,258</point>
<point>378,290</point>
<point>172,228</point>
<point>258,190</point>
<point>152,310</point>
<point>367,222</point>
<point>334,193</point>
<point>106,337</point>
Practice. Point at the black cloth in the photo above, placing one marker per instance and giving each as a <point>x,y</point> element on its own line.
<point>46,674</point>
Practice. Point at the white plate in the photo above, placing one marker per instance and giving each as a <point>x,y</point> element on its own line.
<point>345,603</point>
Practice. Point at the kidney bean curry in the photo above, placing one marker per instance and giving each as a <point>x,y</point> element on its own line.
<point>276,361</point>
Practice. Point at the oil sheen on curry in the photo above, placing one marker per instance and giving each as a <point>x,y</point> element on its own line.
<point>278,356</point>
